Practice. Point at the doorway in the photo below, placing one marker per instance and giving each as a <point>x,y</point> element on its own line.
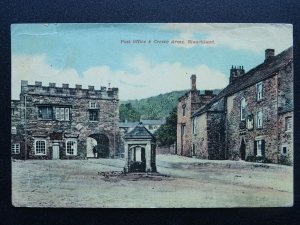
<point>55,151</point>
<point>137,159</point>
<point>243,149</point>
<point>101,145</point>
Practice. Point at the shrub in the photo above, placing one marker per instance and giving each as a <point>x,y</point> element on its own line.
<point>285,160</point>
<point>260,159</point>
<point>250,158</point>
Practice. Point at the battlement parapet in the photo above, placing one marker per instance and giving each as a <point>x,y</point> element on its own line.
<point>65,90</point>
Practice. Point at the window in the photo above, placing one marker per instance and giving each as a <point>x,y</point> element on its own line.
<point>12,111</point>
<point>15,148</point>
<point>243,109</point>
<point>259,91</point>
<point>13,130</point>
<point>45,112</point>
<point>183,110</point>
<point>62,114</point>
<point>93,115</point>
<point>183,129</point>
<point>93,105</point>
<point>250,122</point>
<point>284,150</point>
<point>259,119</point>
<point>194,150</point>
<point>259,147</point>
<point>150,127</point>
<point>40,147</point>
<point>288,124</point>
<point>194,125</point>
<point>71,147</point>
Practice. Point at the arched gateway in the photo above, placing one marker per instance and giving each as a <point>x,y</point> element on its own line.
<point>100,143</point>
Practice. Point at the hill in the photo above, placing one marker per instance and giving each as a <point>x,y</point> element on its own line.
<point>156,107</point>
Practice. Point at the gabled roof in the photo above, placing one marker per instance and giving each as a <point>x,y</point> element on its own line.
<point>253,76</point>
<point>139,132</point>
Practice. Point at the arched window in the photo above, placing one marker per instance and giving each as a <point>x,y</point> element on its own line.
<point>243,109</point>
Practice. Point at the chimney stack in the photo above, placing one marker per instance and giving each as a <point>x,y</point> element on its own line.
<point>269,53</point>
<point>193,78</point>
<point>236,72</point>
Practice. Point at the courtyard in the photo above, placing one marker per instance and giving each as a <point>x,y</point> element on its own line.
<point>181,182</point>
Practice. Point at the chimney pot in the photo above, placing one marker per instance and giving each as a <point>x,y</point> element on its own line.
<point>208,92</point>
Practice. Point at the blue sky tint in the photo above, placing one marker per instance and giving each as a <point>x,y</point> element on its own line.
<point>79,49</point>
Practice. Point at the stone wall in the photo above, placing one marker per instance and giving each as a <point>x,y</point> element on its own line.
<point>192,100</point>
<point>199,138</point>
<point>216,135</point>
<point>236,129</point>
<point>17,128</point>
<point>286,139</point>
<point>166,150</point>
<point>183,141</point>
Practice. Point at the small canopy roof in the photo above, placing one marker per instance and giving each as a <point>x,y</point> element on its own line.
<point>140,132</point>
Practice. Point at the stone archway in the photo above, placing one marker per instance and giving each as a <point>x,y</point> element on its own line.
<point>102,147</point>
<point>137,158</point>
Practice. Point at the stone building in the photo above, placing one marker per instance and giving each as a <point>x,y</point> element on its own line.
<point>17,135</point>
<point>252,118</point>
<point>186,106</point>
<point>50,122</point>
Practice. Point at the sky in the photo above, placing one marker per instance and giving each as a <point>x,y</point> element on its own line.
<point>106,55</point>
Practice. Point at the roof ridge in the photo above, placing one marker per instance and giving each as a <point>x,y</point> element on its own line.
<point>244,82</point>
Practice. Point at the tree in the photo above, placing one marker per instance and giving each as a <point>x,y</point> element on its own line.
<point>166,135</point>
<point>127,112</point>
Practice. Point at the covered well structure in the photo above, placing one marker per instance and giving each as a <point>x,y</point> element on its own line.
<point>140,150</point>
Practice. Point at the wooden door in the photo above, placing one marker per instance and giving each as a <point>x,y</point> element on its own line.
<point>55,152</point>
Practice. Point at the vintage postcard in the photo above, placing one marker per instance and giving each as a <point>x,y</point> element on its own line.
<point>158,115</point>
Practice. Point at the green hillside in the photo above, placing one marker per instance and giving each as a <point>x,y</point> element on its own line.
<point>156,107</point>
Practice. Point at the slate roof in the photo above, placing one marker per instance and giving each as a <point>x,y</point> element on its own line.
<point>286,108</point>
<point>128,124</point>
<point>139,132</point>
<point>263,71</point>
<point>153,122</point>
